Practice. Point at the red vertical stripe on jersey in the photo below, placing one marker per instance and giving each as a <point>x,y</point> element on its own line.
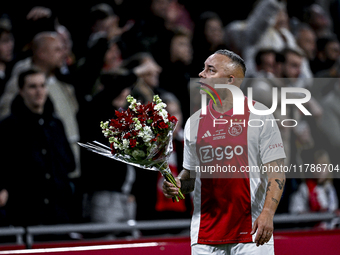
<point>225,197</point>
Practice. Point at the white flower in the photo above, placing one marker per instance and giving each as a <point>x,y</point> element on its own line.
<point>116,146</point>
<point>147,129</point>
<point>104,125</point>
<point>126,144</point>
<point>107,132</point>
<point>164,114</point>
<point>146,134</point>
<point>133,103</point>
<point>157,99</point>
<point>113,140</point>
<point>138,125</point>
<point>159,106</point>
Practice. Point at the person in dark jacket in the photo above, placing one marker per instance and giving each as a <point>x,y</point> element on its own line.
<point>36,157</point>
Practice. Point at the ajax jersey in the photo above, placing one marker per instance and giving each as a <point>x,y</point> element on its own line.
<point>226,151</point>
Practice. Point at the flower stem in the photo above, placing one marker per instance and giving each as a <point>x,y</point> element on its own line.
<point>170,178</point>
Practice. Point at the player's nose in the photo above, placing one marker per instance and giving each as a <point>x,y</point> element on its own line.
<point>202,74</point>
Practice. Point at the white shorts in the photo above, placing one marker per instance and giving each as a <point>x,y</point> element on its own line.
<point>233,249</point>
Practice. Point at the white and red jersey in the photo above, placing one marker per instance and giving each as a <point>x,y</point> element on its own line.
<point>226,205</point>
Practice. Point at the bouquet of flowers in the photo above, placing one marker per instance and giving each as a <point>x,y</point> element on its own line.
<point>140,136</point>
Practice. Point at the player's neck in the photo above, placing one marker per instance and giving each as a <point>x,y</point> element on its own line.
<point>227,104</point>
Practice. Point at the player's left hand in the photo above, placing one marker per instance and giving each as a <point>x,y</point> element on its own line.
<point>264,226</point>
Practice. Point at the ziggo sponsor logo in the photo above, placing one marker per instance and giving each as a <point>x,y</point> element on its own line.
<point>208,153</point>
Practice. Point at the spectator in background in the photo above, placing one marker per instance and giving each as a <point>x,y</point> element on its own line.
<point>39,189</point>
<point>101,57</point>
<point>178,18</point>
<point>306,40</point>
<point>265,60</point>
<point>317,193</point>
<point>153,32</point>
<point>319,20</point>
<point>104,22</point>
<point>243,36</point>
<point>267,70</point>
<point>42,19</point>
<point>208,37</point>
<point>279,36</point>
<point>175,76</point>
<point>334,12</point>
<point>275,35</point>
<point>70,58</point>
<point>6,51</point>
<point>37,19</point>
<point>326,64</point>
<point>328,52</point>
<point>113,58</point>
<point>329,124</point>
<point>108,46</point>
<point>292,65</point>
<point>147,85</point>
<point>48,56</point>
<point>104,67</point>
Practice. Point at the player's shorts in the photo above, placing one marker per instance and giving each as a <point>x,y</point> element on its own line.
<point>233,249</point>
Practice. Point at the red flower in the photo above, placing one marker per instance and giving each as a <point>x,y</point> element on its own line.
<point>155,139</point>
<point>173,119</point>
<point>163,125</point>
<point>157,118</point>
<point>133,143</point>
<point>140,110</point>
<point>127,136</point>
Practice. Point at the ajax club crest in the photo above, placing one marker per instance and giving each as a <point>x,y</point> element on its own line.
<point>235,130</point>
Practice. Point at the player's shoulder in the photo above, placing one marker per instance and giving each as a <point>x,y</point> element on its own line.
<point>192,123</point>
<point>194,118</point>
<point>259,106</point>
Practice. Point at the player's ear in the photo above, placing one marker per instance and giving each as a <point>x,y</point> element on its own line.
<point>231,79</point>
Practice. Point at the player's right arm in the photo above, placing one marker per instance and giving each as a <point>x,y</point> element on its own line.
<point>184,182</point>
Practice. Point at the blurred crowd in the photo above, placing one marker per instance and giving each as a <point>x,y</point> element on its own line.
<point>58,81</point>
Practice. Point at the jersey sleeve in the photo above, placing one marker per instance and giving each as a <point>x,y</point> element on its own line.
<point>271,145</point>
<point>190,159</point>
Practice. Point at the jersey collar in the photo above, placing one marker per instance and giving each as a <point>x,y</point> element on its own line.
<point>217,115</point>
